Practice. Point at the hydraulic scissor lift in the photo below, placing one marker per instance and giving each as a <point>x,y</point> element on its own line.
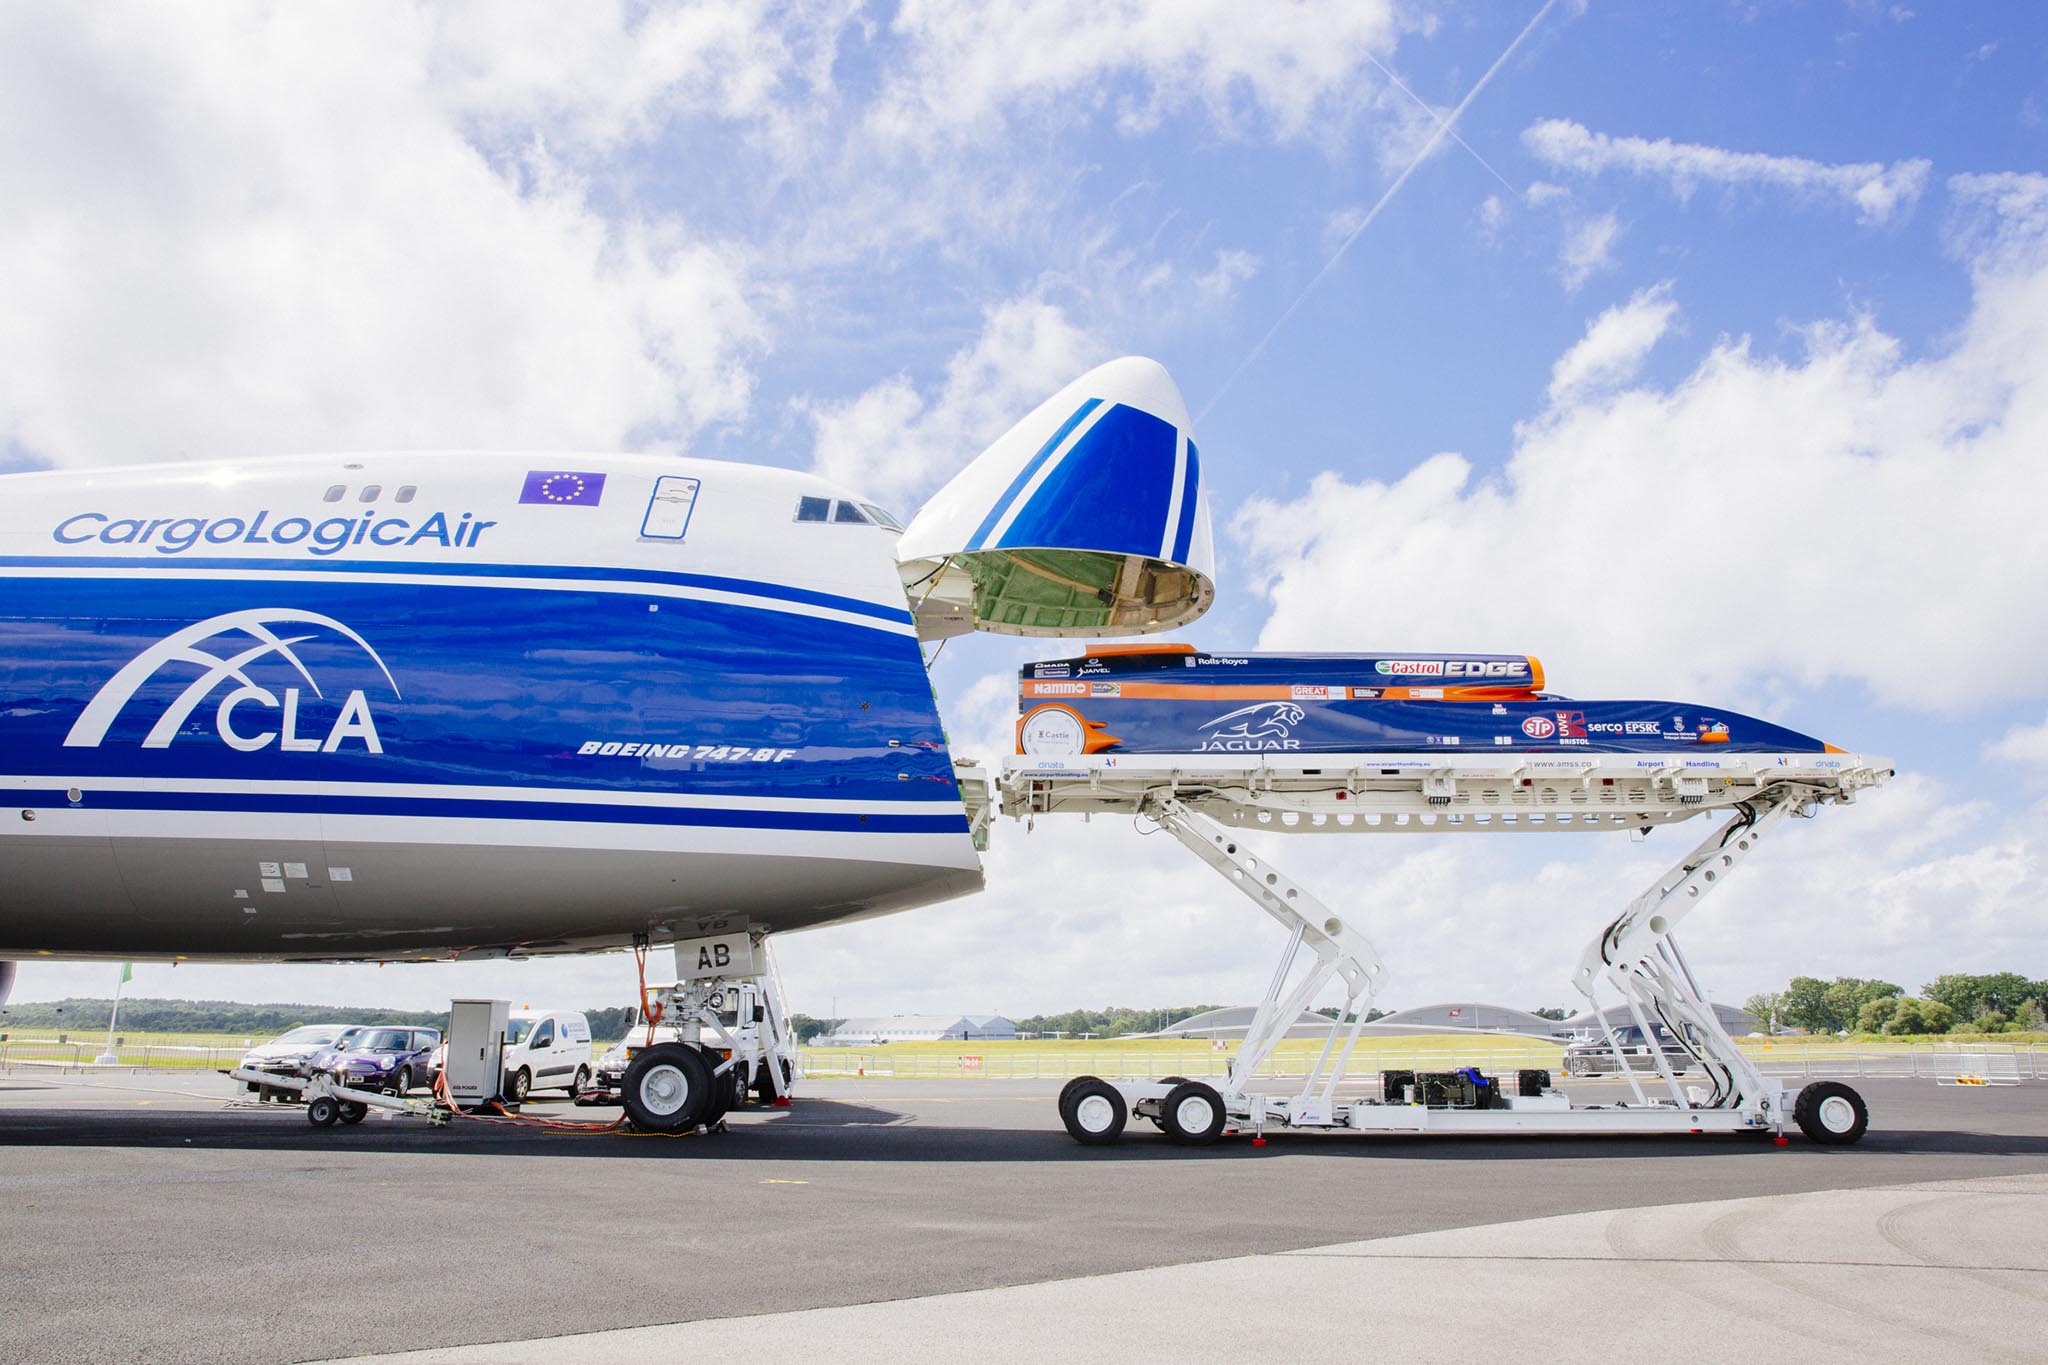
<point>1209,801</point>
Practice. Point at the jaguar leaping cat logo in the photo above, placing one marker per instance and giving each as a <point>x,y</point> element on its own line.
<point>1265,725</point>
<point>354,720</point>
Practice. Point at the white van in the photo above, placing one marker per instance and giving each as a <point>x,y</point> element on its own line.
<point>546,1050</point>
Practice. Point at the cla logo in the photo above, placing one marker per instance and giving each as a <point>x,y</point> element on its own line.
<point>354,720</point>
<point>1267,725</point>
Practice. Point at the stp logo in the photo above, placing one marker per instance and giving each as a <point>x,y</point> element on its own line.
<point>1539,727</point>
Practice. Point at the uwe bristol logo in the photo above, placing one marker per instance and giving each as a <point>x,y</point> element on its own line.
<point>249,716</point>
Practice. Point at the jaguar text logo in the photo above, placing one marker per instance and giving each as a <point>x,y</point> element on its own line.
<point>249,717</point>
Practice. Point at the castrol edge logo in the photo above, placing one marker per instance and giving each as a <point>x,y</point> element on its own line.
<point>249,716</point>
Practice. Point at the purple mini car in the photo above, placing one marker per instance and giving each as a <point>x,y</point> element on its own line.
<point>382,1058</point>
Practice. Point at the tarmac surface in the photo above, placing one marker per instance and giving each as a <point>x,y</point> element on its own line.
<point>141,1221</point>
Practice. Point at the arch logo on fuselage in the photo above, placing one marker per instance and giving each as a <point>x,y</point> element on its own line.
<point>248,717</point>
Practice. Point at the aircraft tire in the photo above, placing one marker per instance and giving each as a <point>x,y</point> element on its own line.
<point>667,1089</point>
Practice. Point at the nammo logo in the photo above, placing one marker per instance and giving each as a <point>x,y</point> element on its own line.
<point>248,717</point>
<point>1266,725</point>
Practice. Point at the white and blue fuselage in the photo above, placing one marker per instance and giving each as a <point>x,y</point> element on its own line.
<point>404,705</point>
<point>407,706</point>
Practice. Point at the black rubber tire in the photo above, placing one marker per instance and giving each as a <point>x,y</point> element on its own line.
<point>579,1082</point>
<point>1823,1121</point>
<point>322,1111</point>
<point>681,1093</point>
<point>1158,1122</point>
<point>1096,1126</point>
<point>354,1111</point>
<point>518,1086</point>
<point>401,1084</point>
<point>725,1094</point>
<point>1176,1124</point>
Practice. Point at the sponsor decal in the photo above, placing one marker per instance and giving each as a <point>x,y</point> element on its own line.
<point>1310,693</point>
<point>1052,671</point>
<point>248,717</point>
<point>1253,729</point>
<point>1624,727</point>
<point>1057,689</point>
<point>1450,740</point>
<point>696,753</point>
<point>1499,710</point>
<point>1571,724</point>
<point>1426,693</point>
<point>1105,689</point>
<point>562,488</point>
<point>1053,730</point>
<point>308,535</point>
<point>1365,693</point>
<point>1224,660</point>
<point>1539,727</point>
<point>1469,670</point>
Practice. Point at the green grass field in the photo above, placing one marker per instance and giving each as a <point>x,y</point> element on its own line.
<point>1032,1058</point>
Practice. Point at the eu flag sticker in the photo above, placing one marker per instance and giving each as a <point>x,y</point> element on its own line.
<point>563,487</point>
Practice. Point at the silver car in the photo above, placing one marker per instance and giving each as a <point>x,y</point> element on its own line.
<point>1594,1057</point>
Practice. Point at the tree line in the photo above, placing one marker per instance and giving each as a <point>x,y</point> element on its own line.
<point>260,1022</point>
<point>2000,1002</point>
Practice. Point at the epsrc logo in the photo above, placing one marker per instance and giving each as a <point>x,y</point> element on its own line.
<point>247,716</point>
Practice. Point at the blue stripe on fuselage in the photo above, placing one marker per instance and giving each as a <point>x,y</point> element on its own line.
<point>852,822</point>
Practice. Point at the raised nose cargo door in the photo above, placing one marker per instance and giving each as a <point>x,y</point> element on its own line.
<point>1086,518</point>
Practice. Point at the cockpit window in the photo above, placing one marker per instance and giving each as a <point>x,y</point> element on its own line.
<point>813,509</point>
<point>848,513</point>
<point>881,517</point>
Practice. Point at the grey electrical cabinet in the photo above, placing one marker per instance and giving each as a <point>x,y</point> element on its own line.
<point>476,1050</point>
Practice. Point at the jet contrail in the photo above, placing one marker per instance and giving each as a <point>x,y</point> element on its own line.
<point>1444,127</point>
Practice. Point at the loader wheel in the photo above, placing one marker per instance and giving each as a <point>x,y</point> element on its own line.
<point>667,1089</point>
<point>1157,1121</point>
<point>322,1111</point>
<point>1831,1113</point>
<point>1094,1111</point>
<point>354,1111</point>
<point>1192,1114</point>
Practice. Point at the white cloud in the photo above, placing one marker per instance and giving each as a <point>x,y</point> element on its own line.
<point>1876,190</point>
<point>1588,248</point>
<point>238,232</point>
<point>1790,522</point>
<point>1492,213</point>
<point>893,443</point>
<point>1294,71</point>
<point>2026,745</point>
<point>1615,345</point>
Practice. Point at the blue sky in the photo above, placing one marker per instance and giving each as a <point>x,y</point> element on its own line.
<point>1712,366</point>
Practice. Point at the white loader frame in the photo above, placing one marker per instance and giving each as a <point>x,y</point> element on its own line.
<point>1635,955</point>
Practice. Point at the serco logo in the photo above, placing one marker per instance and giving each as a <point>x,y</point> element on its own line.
<point>354,721</point>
